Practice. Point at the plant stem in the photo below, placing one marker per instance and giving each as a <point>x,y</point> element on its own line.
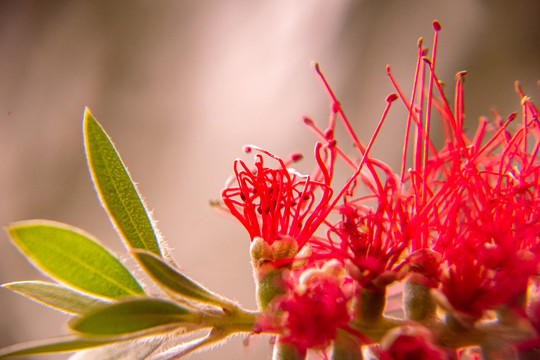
<point>419,304</point>
<point>370,305</point>
<point>346,347</point>
<point>287,351</point>
<point>230,322</point>
<point>269,286</point>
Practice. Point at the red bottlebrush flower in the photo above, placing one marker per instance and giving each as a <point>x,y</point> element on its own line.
<point>488,251</point>
<point>373,240</point>
<point>272,203</point>
<point>373,233</point>
<point>490,233</point>
<point>475,201</point>
<point>313,309</point>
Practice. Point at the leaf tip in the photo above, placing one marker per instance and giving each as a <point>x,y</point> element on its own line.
<point>88,119</point>
<point>11,231</point>
<point>87,113</point>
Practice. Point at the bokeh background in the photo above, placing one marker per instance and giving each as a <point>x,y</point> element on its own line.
<point>181,85</point>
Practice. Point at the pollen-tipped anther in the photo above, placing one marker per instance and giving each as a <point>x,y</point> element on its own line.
<point>317,67</point>
<point>329,134</point>
<point>391,98</point>
<point>461,74</point>
<point>517,87</point>
<point>427,60</point>
<point>296,157</point>
<point>308,121</point>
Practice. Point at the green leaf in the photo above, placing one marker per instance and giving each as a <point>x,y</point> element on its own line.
<point>189,347</point>
<point>143,348</point>
<point>132,316</point>
<point>55,296</point>
<point>115,188</point>
<point>78,342</point>
<point>67,343</point>
<point>73,257</point>
<point>174,281</point>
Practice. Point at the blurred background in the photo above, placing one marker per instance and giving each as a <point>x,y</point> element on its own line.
<point>181,85</point>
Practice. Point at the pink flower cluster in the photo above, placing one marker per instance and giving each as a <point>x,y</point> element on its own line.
<point>464,219</point>
<point>313,309</point>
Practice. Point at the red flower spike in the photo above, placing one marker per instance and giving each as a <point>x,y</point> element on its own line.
<point>272,203</point>
<point>489,231</point>
<point>475,201</point>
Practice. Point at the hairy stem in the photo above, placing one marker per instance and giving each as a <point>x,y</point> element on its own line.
<point>346,347</point>
<point>419,304</point>
<point>287,351</point>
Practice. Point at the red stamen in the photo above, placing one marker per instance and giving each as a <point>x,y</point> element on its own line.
<point>364,158</point>
<point>410,114</point>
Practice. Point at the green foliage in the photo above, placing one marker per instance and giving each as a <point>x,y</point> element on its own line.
<point>116,345</point>
<point>115,188</point>
<point>175,282</point>
<point>111,307</point>
<point>67,343</point>
<point>146,348</point>
<point>132,316</point>
<point>69,255</point>
<point>55,296</point>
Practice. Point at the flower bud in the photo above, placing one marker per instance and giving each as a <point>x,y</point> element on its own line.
<point>260,251</point>
<point>270,264</point>
<point>285,247</point>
